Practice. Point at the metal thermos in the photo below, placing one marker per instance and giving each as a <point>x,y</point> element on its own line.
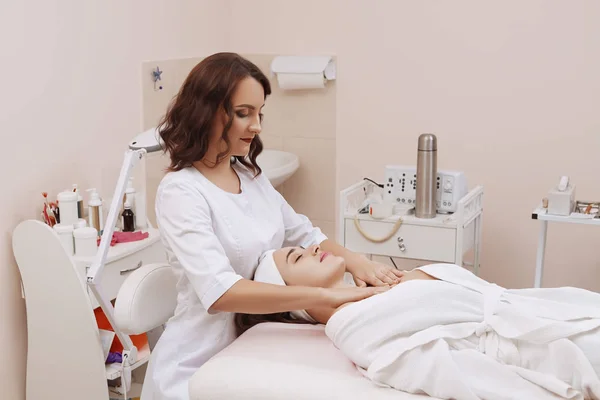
<point>425,205</point>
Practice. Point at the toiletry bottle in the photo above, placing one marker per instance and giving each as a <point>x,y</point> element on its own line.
<point>65,234</point>
<point>128,216</point>
<point>79,202</point>
<point>86,241</point>
<point>95,214</point>
<point>67,203</point>
<point>129,194</point>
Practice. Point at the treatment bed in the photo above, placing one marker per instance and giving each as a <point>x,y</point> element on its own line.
<point>285,361</point>
<point>269,361</point>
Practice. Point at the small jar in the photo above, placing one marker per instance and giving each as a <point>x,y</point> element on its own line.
<point>65,234</point>
<point>86,241</point>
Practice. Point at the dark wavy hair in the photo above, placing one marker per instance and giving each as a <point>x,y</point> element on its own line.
<point>186,126</point>
<point>243,322</point>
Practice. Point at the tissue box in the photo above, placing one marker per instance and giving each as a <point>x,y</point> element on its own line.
<point>561,203</point>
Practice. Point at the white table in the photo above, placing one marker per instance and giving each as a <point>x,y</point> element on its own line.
<point>445,238</point>
<point>541,214</point>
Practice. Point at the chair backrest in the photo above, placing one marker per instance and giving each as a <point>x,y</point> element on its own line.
<point>146,299</point>
<point>60,319</point>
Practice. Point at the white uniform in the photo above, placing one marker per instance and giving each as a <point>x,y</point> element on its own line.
<point>213,239</point>
<point>463,338</point>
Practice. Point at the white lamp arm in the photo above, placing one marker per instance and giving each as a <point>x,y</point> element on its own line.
<point>97,267</point>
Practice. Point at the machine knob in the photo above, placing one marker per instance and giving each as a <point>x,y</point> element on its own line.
<point>400,239</point>
<point>447,186</point>
<point>402,247</point>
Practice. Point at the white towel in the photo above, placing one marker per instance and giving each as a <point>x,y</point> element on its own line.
<point>464,338</point>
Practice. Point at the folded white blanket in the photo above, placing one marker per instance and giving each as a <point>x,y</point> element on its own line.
<point>463,338</point>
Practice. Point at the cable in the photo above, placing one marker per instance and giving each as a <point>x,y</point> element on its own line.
<point>392,260</point>
<point>372,239</point>
<point>373,182</point>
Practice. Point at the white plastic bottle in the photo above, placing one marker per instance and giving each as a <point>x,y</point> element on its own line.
<point>67,205</point>
<point>86,241</point>
<point>95,211</point>
<point>65,233</point>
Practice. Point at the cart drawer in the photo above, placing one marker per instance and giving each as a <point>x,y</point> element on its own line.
<point>410,241</point>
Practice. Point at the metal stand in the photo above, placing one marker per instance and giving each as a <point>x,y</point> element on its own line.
<point>541,214</point>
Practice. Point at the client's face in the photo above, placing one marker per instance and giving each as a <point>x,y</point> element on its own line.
<point>309,267</point>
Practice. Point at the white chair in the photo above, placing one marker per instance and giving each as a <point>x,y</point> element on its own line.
<point>146,300</point>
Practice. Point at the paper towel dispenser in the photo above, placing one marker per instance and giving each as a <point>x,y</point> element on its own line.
<point>303,72</point>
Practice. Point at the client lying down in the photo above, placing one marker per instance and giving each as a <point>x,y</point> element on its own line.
<point>447,333</point>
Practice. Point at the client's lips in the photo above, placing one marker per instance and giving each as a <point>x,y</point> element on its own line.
<point>323,255</point>
<point>248,140</point>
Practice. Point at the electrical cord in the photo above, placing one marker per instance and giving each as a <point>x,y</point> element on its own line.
<point>377,240</point>
<point>373,182</point>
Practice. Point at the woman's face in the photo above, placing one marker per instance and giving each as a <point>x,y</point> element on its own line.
<point>309,267</point>
<point>247,102</point>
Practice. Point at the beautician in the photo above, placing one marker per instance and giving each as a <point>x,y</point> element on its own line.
<point>217,214</point>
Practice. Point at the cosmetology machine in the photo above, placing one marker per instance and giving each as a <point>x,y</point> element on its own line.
<point>418,212</point>
<point>422,189</point>
<point>401,190</point>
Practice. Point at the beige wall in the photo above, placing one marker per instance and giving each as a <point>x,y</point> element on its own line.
<point>302,122</point>
<point>70,100</point>
<point>510,88</point>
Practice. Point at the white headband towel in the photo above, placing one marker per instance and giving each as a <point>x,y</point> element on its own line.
<point>267,272</point>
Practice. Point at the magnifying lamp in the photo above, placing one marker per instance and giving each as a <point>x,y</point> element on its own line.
<point>144,143</point>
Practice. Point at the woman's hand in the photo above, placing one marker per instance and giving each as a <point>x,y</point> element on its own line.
<point>375,274</point>
<point>336,297</point>
<point>365,271</point>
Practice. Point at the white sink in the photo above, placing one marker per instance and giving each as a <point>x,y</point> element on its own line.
<point>278,165</point>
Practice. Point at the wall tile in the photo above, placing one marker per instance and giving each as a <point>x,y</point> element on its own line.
<point>311,190</point>
<point>271,141</point>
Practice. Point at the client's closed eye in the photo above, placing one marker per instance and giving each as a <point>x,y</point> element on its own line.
<point>294,255</point>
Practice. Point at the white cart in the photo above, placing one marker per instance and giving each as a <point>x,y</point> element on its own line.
<point>445,238</point>
<point>65,357</point>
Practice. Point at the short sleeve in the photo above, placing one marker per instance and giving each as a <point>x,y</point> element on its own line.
<point>299,231</point>
<point>185,223</point>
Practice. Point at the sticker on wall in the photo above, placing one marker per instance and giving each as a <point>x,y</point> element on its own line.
<point>156,76</point>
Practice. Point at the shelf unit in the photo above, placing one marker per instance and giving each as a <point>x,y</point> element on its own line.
<point>62,328</point>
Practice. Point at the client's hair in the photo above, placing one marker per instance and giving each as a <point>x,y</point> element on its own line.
<point>243,322</point>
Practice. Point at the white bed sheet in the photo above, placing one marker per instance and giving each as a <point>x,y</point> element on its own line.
<point>284,361</point>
